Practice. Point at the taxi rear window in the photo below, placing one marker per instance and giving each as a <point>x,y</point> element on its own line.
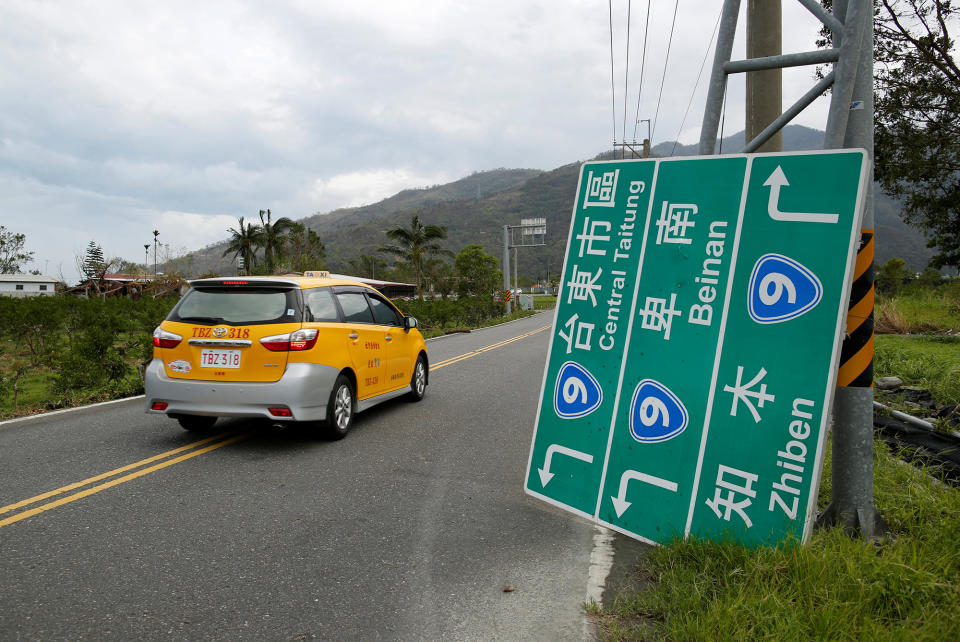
<point>238,306</point>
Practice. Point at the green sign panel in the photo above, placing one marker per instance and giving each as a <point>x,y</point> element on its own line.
<point>695,344</point>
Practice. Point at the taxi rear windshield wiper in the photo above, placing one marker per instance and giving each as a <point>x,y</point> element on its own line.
<point>210,320</point>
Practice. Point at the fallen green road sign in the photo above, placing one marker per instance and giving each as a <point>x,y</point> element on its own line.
<point>695,344</point>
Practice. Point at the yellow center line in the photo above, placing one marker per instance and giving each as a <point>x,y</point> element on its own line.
<point>115,471</point>
<point>116,482</point>
<point>478,351</point>
<point>194,452</point>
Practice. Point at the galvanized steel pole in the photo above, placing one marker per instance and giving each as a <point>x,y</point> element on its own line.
<point>718,78</point>
<point>506,265</point>
<point>850,124</point>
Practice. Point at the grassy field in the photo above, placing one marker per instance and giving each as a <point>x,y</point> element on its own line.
<point>837,587</point>
<point>927,361</point>
<point>919,309</point>
<point>544,302</point>
<point>906,587</point>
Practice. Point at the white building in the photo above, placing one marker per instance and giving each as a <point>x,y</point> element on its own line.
<point>27,285</point>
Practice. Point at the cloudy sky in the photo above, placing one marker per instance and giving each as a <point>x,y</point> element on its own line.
<point>121,117</point>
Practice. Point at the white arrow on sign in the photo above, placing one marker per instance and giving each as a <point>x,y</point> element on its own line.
<point>545,474</point>
<point>777,180</point>
<point>620,503</point>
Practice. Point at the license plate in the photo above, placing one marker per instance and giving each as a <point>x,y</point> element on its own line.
<point>219,358</point>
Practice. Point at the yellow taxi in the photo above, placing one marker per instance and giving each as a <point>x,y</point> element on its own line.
<point>305,348</point>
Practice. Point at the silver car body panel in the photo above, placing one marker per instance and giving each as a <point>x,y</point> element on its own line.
<point>304,388</point>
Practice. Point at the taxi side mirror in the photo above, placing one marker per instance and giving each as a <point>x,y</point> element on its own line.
<point>409,322</point>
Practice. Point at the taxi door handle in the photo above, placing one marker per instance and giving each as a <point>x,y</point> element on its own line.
<point>354,335</point>
<point>389,338</point>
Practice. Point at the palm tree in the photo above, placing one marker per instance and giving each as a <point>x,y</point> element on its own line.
<point>243,243</point>
<point>272,237</point>
<point>413,243</point>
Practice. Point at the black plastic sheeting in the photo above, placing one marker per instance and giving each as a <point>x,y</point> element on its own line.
<point>927,446</point>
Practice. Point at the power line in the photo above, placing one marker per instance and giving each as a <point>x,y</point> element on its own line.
<point>613,96</point>
<point>626,76</point>
<point>666,60</point>
<point>643,64</point>
<point>695,85</point>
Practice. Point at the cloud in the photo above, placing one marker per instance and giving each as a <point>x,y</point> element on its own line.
<point>360,188</point>
<point>118,118</point>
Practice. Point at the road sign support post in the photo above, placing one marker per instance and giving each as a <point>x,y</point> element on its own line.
<point>852,502</point>
<point>506,264</point>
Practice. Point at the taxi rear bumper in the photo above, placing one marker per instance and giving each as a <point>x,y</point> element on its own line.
<point>304,388</point>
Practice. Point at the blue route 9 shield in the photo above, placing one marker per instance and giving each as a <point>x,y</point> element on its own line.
<point>656,414</point>
<point>781,289</point>
<point>577,392</point>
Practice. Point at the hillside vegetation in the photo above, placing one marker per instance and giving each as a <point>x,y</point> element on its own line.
<point>475,209</point>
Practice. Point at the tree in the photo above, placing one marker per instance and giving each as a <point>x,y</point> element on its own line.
<point>892,275</point>
<point>366,265</point>
<point>95,267</point>
<point>478,272</point>
<point>11,252</point>
<point>917,116</point>
<point>304,249</point>
<point>272,238</point>
<point>243,243</point>
<point>439,276</point>
<point>92,260</point>
<point>414,243</point>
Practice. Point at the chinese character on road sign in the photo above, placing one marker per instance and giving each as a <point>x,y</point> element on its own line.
<point>587,239</point>
<point>582,286</point>
<point>732,490</point>
<point>674,222</point>
<point>601,190</point>
<point>657,316</point>
<point>742,391</point>
<point>578,334</point>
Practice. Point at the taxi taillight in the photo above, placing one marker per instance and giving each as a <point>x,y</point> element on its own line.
<point>294,341</point>
<point>164,339</point>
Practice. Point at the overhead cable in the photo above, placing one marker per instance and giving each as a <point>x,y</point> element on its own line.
<point>626,82</point>
<point>666,60</point>
<point>695,85</point>
<point>613,96</point>
<point>643,64</point>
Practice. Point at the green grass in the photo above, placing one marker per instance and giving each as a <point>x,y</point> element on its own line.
<point>929,362</point>
<point>918,309</point>
<point>836,587</point>
<point>544,302</point>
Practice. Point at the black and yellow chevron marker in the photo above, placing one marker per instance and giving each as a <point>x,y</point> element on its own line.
<point>856,356</point>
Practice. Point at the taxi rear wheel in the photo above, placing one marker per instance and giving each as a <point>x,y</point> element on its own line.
<point>418,382</point>
<point>340,409</point>
<point>196,422</point>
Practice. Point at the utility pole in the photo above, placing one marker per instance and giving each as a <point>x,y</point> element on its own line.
<point>764,97</point>
<point>156,233</point>
<point>506,265</point>
<point>646,141</point>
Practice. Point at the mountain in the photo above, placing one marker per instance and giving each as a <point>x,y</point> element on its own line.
<point>474,209</point>
<point>894,238</point>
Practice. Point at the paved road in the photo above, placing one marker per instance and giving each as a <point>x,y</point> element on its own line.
<point>408,529</point>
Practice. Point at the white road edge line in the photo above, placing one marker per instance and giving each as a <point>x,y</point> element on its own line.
<point>601,561</point>
<point>64,410</point>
